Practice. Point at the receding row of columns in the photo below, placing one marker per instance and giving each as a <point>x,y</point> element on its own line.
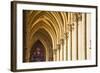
<point>63,51</point>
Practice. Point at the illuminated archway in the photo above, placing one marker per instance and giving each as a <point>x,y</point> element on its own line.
<point>44,37</point>
<point>59,32</point>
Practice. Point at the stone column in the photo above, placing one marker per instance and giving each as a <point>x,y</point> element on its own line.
<point>85,35</point>
<point>26,34</point>
<point>66,46</point>
<point>76,36</point>
<point>71,42</point>
<point>71,27</point>
<point>70,30</point>
<point>55,54</point>
<point>62,49</point>
<point>58,52</point>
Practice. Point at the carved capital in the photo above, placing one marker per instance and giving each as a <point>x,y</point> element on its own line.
<point>66,35</point>
<point>58,46</point>
<point>62,41</point>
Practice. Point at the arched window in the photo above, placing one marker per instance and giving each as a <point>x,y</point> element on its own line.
<point>38,52</point>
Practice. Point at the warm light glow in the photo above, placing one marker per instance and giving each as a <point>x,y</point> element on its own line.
<point>66,36</point>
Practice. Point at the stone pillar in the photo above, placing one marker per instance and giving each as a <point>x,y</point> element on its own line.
<point>62,49</point>
<point>85,35</point>
<point>55,54</point>
<point>82,49</point>
<point>26,34</point>
<point>69,21</point>
<point>66,46</point>
<point>70,42</point>
<point>70,30</point>
<point>26,55</point>
<point>76,36</point>
<point>71,27</point>
<point>58,52</point>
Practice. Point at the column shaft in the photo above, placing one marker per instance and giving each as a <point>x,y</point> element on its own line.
<point>66,46</point>
<point>77,37</point>
<point>85,36</point>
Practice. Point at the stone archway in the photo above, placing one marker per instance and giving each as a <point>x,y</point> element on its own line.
<point>45,40</point>
<point>59,32</point>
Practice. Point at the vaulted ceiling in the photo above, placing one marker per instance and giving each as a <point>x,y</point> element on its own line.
<point>47,26</point>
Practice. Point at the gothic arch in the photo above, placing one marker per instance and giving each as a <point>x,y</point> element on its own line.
<point>52,22</point>
<point>42,35</point>
<point>57,31</point>
<point>50,18</point>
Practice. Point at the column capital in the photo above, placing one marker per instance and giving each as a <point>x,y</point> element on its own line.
<point>71,26</point>
<point>62,41</point>
<point>66,35</point>
<point>58,46</point>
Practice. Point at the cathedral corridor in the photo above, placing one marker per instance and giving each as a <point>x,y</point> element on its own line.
<point>56,36</point>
